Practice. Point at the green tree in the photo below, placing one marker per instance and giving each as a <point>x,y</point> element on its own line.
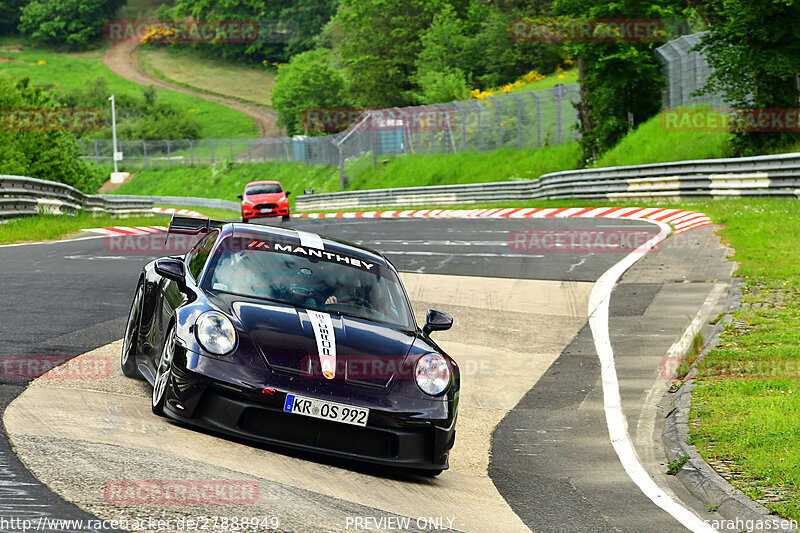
<point>307,82</point>
<point>621,82</point>
<point>48,155</point>
<point>441,64</point>
<point>299,21</point>
<point>69,22</point>
<point>380,41</point>
<point>754,47</point>
<point>9,15</point>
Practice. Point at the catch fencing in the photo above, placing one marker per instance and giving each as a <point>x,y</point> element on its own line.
<point>686,71</point>
<point>521,120</point>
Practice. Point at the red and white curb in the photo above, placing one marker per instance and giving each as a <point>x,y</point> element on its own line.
<point>680,219</point>
<point>182,212</point>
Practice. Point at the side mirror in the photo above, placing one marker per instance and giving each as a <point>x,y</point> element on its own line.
<point>288,193</point>
<point>171,268</point>
<point>437,321</point>
<point>240,197</point>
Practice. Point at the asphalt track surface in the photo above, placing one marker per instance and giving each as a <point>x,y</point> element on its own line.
<point>69,297</point>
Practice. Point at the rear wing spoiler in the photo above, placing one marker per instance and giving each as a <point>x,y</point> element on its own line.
<point>191,226</point>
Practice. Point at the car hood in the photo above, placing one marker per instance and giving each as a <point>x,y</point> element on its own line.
<point>265,198</point>
<point>367,353</point>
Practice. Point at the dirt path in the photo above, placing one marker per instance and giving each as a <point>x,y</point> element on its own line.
<point>122,59</point>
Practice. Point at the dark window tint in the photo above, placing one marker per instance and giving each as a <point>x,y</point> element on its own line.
<point>264,188</point>
<point>199,256</point>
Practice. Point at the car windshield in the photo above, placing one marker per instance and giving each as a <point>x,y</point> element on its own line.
<point>309,278</point>
<point>264,188</point>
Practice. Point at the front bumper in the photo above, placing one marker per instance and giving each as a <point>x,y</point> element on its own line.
<point>250,212</point>
<point>388,439</point>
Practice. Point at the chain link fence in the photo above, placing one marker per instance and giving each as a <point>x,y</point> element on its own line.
<point>523,120</point>
<point>686,71</point>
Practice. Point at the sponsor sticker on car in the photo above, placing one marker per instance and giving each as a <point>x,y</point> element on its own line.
<point>336,412</point>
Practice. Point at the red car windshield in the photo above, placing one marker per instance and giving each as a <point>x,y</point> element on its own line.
<point>264,188</point>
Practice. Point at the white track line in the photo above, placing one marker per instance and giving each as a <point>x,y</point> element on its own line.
<point>615,419</point>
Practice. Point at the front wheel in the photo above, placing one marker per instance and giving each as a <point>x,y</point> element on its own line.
<point>286,217</point>
<point>128,358</point>
<point>164,373</point>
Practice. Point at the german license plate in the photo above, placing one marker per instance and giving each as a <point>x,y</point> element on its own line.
<point>337,412</point>
<point>266,211</point>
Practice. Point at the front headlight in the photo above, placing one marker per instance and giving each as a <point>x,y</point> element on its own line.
<point>215,333</point>
<point>432,374</point>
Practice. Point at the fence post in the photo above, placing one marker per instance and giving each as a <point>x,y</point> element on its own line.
<point>480,133</point>
<point>515,97</point>
<point>144,151</point>
<point>499,121</point>
<point>231,143</point>
<point>212,150</point>
<point>538,118</point>
<point>96,153</point>
<point>342,179</point>
<point>191,153</point>
<point>169,151</point>
<point>249,142</point>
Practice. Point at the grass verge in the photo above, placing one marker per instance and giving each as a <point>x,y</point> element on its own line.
<point>213,76</point>
<point>53,227</point>
<point>68,71</point>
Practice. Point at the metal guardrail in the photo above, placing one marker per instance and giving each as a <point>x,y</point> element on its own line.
<point>774,175</point>
<point>182,201</point>
<point>21,196</point>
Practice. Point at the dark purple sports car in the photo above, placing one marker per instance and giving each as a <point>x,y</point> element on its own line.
<point>288,338</point>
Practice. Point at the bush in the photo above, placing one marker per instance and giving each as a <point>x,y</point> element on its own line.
<point>307,82</point>
<point>48,155</point>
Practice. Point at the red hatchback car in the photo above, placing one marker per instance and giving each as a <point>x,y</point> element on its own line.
<point>264,199</point>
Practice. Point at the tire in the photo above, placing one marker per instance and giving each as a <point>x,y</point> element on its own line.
<point>163,373</point>
<point>128,357</point>
<point>285,217</point>
<point>244,220</point>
